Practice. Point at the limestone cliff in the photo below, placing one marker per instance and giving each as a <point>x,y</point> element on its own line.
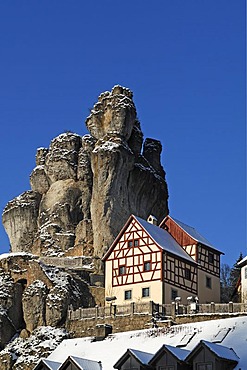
<point>85,188</point>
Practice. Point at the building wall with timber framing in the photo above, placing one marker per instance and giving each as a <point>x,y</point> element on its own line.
<point>146,262</point>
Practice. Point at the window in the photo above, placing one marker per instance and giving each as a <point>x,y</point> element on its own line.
<point>127,294</point>
<point>121,270</point>
<point>145,292</point>
<point>245,272</point>
<point>208,282</point>
<point>187,274</point>
<point>204,366</point>
<point>147,266</point>
<point>132,243</point>
<point>210,257</point>
<point>174,294</point>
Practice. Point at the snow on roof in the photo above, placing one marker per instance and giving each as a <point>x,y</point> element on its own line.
<point>179,353</point>
<point>86,364</point>
<point>52,365</point>
<point>112,348</point>
<point>164,239</point>
<point>242,262</point>
<point>221,351</point>
<point>143,357</point>
<point>193,233</point>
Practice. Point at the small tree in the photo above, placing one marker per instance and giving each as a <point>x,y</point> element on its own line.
<point>229,279</point>
<point>235,279</point>
<point>225,283</point>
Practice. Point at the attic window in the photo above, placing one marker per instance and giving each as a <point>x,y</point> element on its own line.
<point>147,266</point>
<point>121,270</point>
<point>187,274</point>
<point>204,366</point>
<point>210,257</point>
<point>132,243</point>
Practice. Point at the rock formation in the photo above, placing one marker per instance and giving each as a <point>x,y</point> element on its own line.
<point>24,354</point>
<point>85,188</point>
<point>34,294</point>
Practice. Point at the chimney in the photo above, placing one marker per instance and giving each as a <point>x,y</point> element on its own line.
<point>102,331</point>
<point>152,220</point>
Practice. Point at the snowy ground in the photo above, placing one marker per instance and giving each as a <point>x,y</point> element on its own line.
<point>231,333</point>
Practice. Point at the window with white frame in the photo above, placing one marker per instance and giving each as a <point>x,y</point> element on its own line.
<point>145,292</point>
<point>127,294</point>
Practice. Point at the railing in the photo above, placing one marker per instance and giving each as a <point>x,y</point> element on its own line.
<point>155,310</point>
<point>111,310</point>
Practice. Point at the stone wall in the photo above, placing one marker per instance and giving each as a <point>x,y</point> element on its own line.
<point>87,327</point>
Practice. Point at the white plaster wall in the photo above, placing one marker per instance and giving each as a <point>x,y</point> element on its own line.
<point>154,286</point>
<point>183,294</point>
<point>207,295</point>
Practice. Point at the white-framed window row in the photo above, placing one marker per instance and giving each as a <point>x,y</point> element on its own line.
<point>145,293</point>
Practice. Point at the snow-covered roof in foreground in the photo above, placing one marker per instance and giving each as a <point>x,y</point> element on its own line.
<point>52,365</point>
<point>180,353</point>
<point>164,239</point>
<point>86,364</point>
<point>113,347</point>
<point>222,351</point>
<point>143,357</point>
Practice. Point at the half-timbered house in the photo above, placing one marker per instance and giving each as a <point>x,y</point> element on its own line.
<point>146,262</point>
<point>202,252</point>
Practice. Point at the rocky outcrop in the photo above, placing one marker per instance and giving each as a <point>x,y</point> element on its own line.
<point>34,294</point>
<point>85,188</point>
<point>33,301</point>
<point>24,354</point>
<point>20,220</point>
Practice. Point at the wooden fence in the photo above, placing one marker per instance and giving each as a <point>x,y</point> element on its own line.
<point>155,310</point>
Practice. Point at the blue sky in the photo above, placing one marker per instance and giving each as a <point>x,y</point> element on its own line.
<point>184,61</point>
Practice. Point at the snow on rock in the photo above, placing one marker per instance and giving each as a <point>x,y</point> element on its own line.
<point>33,300</point>
<point>23,354</point>
<point>85,188</point>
